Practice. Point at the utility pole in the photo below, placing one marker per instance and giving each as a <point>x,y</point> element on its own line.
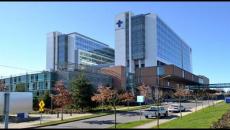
<point>6,108</point>
<point>158,80</point>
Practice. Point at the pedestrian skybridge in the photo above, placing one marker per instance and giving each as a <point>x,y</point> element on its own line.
<point>218,85</point>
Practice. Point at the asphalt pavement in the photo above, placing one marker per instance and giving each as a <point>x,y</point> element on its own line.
<point>122,117</point>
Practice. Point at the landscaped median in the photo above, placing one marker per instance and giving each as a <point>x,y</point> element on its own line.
<point>133,123</point>
<point>98,114</point>
<point>203,118</point>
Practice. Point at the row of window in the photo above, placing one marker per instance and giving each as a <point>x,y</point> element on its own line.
<point>96,57</point>
<point>89,45</point>
<point>170,46</point>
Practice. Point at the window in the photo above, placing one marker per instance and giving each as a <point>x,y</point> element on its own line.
<point>142,65</point>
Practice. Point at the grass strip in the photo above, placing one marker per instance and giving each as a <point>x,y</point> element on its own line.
<point>200,119</point>
<point>133,123</point>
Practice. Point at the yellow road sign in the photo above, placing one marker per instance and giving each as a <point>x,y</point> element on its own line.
<point>41,109</point>
<point>41,104</point>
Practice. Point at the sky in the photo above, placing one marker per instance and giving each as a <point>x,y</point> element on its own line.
<point>205,26</point>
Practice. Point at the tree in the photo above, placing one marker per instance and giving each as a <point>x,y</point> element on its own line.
<point>62,96</point>
<point>114,98</point>
<point>35,103</point>
<point>81,91</point>
<point>21,87</point>
<point>47,99</point>
<point>127,97</point>
<point>146,91</point>
<point>101,95</point>
<point>111,96</point>
<point>2,86</point>
<point>212,94</point>
<point>179,93</point>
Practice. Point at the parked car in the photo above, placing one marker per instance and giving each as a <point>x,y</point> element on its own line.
<point>153,112</point>
<point>176,108</point>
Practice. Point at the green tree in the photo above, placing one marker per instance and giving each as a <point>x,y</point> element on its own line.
<point>47,99</point>
<point>21,87</point>
<point>81,91</point>
<point>35,103</point>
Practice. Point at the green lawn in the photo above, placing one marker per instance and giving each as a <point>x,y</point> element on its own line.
<point>133,123</point>
<point>200,119</point>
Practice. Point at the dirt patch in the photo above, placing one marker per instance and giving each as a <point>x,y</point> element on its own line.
<point>223,122</point>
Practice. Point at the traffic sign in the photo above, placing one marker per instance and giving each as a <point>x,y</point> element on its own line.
<point>140,99</point>
<point>41,109</point>
<point>41,104</point>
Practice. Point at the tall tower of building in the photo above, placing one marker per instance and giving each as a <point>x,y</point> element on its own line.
<point>52,50</point>
<point>145,40</point>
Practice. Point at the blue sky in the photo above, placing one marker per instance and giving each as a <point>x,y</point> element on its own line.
<point>205,26</point>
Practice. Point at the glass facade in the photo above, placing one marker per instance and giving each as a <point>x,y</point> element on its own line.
<point>138,37</point>
<point>171,48</point>
<point>37,83</point>
<point>62,50</point>
<point>92,52</point>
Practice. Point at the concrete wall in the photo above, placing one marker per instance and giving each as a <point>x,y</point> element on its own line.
<point>150,40</point>
<point>120,40</point>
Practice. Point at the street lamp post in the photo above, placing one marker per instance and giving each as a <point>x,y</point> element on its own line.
<point>6,107</point>
<point>158,82</point>
<point>158,103</point>
<point>51,102</point>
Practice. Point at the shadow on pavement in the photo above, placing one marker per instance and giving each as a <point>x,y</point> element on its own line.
<point>168,117</point>
<point>100,122</point>
<point>130,113</point>
<point>187,110</point>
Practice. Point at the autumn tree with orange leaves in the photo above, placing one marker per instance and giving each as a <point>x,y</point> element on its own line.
<point>62,96</point>
<point>127,97</point>
<point>108,95</point>
<point>102,95</point>
<point>146,91</point>
<point>2,86</point>
<point>180,92</point>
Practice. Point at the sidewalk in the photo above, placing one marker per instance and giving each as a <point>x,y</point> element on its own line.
<point>51,117</point>
<point>45,118</point>
<point>154,123</point>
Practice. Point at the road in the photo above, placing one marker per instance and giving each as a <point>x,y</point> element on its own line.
<point>108,121</point>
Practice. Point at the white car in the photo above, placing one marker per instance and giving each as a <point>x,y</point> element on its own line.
<point>176,108</point>
<point>153,112</point>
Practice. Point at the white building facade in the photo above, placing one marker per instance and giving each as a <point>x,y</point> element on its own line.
<point>145,40</point>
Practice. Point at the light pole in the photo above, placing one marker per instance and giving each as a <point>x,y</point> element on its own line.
<point>51,102</point>
<point>6,107</point>
<point>158,82</point>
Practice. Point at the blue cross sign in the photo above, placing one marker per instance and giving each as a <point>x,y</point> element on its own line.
<point>119,23</point>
